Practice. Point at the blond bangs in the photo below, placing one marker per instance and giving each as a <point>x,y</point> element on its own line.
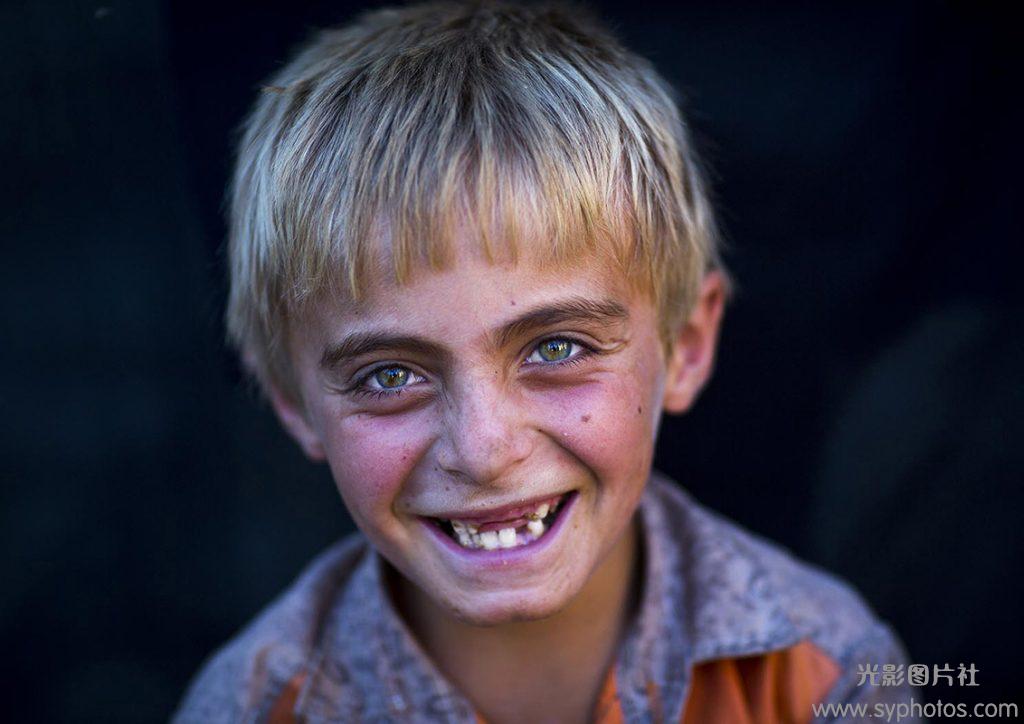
<point>529,129</point>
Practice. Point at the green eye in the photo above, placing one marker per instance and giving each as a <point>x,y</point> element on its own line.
<point>391,377</point>
<point>554,350</point>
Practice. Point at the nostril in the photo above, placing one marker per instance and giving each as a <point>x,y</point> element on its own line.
<point>481,457</point>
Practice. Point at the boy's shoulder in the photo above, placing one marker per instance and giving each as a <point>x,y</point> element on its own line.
<point>237,679</point>
<point>746,591</point>
<point>729,595</point>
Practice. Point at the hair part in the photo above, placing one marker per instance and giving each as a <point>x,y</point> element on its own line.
<point>383,139</point>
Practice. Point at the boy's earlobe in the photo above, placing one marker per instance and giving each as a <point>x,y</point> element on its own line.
<point>693,355</point>
<point>293,418</point>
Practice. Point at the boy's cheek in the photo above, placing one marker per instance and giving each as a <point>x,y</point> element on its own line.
<point>370,460</point>
<point>607,424</point>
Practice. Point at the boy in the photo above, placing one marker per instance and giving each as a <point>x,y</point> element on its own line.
<point>472,261</point>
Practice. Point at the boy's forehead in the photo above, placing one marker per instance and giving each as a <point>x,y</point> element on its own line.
<point>473,294</point>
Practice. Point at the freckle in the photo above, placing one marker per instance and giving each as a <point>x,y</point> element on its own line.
<point>639,410</point>
<point>585,418</point>
<point>512,302</point>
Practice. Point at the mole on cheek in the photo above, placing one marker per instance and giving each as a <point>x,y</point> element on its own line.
<point>639,410</point>
<point>585,418</point>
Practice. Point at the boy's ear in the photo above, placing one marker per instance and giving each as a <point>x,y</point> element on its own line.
<point>293,418</point>
<point>693,353</point>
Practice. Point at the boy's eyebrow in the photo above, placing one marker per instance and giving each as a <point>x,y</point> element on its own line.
<point>361,343</point>
<point>573,309</point>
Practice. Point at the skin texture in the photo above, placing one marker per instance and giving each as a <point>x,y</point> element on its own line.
<point>482,421</point>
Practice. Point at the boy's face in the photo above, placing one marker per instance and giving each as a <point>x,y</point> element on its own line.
<point>478,392</point>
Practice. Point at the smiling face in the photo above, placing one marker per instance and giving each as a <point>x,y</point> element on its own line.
<point>475,393</point>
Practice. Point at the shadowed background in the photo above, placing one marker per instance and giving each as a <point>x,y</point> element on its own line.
<point>865,411</point>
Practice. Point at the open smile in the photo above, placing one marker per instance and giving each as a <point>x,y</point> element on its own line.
<point>521,526</point>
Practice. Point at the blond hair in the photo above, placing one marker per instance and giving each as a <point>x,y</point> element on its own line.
<point>531,124</point>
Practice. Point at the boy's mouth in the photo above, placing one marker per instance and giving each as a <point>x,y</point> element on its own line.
<point>511,528</point>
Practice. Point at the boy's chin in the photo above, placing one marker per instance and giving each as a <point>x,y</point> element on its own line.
<point>496,609</point>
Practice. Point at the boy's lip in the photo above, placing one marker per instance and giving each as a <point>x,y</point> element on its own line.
<point>532,554</point>
<point>511,511</point>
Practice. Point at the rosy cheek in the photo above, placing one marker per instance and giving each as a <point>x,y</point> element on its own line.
<point>370,458</point>
<point>605,423</point>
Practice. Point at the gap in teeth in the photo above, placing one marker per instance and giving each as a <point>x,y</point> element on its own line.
<point>469,535</point>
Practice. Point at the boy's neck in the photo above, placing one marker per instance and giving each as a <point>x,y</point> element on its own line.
<point>546,670</point>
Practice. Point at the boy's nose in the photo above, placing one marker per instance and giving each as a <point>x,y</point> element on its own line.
<point>485,434</point>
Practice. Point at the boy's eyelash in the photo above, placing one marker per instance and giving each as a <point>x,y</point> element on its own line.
<point>585,351</point>
<point>361,389</point>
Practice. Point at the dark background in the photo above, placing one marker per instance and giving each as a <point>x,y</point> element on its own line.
<point>866,409</point>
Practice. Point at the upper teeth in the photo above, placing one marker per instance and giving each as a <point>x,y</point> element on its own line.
<point>507,537</point>
<point>469,535</point>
